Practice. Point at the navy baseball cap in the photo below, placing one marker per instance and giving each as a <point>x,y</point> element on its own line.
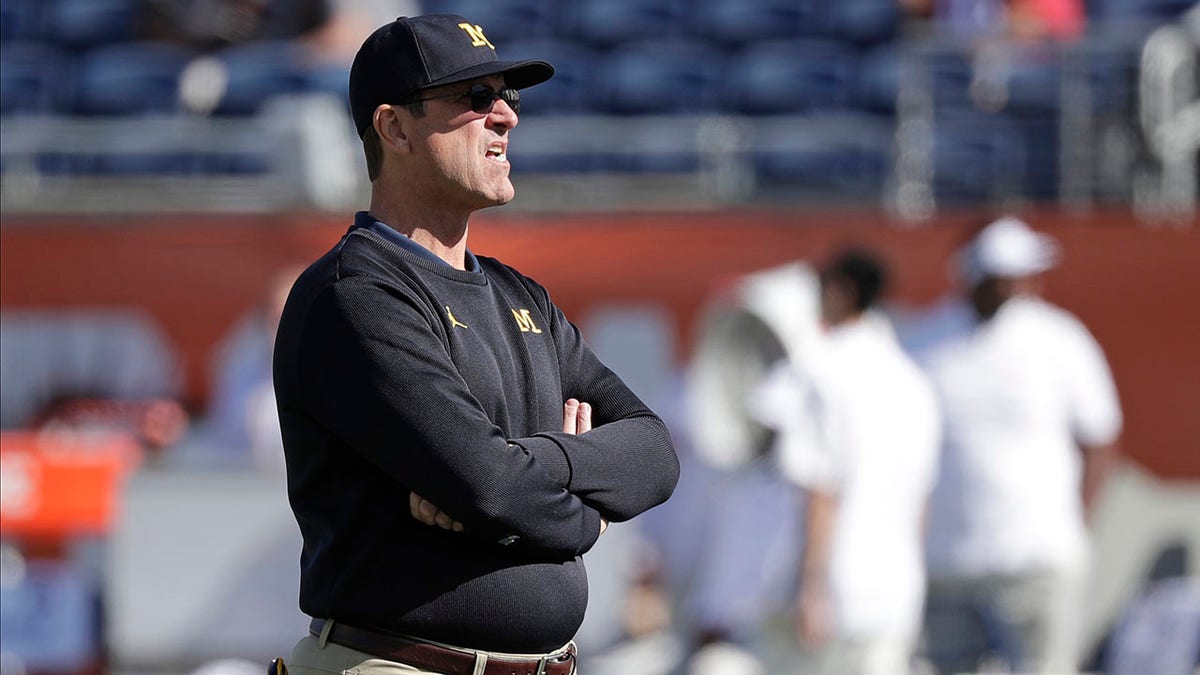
<point>421,52</point>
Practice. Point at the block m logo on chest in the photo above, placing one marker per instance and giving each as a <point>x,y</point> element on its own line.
<point>525,321</point>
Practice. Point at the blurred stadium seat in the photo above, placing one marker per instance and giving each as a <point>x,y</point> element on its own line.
<point>35,78</point>
<point>22,19</point>
<point>1138,10</point>
<point>864,22</point>
<point>507,22</point>
<point>660,76</point>
<point>130,78</point>
<point>84,24</point>
<point>574,87</point>
<point>878,82</point>
<point>258,71</point>
<point>608,22</point>
<point>739,22</point>
<point>977,158</point>
<point>827,156</point>
<point>785,76</point>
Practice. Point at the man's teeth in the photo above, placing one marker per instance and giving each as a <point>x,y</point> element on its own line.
<point>497,153</point>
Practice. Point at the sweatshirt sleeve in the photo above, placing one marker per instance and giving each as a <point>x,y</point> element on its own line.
<point>380,379</point>
<point>627,463</point>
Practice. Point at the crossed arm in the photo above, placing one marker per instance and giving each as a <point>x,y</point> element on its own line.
<point>577,419</point>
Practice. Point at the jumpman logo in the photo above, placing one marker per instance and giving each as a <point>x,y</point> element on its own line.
<point>453,321</point>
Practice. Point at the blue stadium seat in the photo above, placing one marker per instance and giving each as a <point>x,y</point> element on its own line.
<point>864,22</point>
<point>34,78</point>
<point>131,78</point>
<point>575,86</point>
<point>609,22</point>
<point>742,22</point>
<point>878,81</point>
<point>826,156</point>
<point>23,19</point>
<point>1035,84</point>
<point>1125,11</point>
<point>663,76</point>
<point>977,158</point>
<point>786,76</point>
<point>505,22</point>
<point>84,24</point>
<point>259,71</point>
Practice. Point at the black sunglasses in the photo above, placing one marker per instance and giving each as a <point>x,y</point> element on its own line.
<point>482,97</point>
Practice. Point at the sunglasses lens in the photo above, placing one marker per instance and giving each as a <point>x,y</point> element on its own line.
<point>482,98</point>
<point>513,98</point>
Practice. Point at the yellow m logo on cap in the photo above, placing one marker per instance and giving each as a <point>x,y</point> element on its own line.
<point>478,39</point>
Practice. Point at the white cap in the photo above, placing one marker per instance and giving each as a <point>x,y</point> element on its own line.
<point>1007,248</point>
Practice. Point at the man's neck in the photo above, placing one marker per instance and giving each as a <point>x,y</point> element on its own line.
<point>443,233</point>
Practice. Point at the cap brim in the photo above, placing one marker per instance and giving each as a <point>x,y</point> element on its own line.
<point>517,74</point>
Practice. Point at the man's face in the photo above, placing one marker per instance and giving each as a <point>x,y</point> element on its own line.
<point>461,155</point>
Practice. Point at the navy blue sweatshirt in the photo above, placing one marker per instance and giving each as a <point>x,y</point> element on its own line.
<point>395,372</point>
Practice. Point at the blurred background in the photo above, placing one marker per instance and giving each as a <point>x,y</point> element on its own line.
<point>167,167</point>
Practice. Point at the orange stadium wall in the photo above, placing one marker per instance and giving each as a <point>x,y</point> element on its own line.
<point>1137,288</point>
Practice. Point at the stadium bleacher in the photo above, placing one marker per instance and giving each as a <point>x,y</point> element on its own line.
<point>998,127</point>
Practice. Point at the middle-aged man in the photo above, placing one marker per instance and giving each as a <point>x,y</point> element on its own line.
<point>1031,420</point>
<point>453,446</point>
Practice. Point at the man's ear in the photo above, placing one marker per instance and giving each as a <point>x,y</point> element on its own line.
<point>389,124</point>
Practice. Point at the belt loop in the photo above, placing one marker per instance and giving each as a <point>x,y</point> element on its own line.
<point>324,637</point>
<point>541,666</point>
<point>480,663</point>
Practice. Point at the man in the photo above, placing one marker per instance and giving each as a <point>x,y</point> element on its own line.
<point>453,447</point>
<point>859,432</point>
<point>1031,418</point>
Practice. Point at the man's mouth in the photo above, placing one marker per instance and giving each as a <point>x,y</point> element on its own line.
<point>497,152</point>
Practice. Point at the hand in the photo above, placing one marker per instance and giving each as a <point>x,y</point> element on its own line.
<point>577,417</point>
<point>427,512</point>
<point>813,616</point>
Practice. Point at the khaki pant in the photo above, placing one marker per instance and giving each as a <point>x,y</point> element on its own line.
<point>1030,622</point>
<point>314,656</point>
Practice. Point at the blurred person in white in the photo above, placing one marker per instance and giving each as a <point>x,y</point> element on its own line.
<point>243,417</point>
<point>1031,419</point>
<point>858,430</point>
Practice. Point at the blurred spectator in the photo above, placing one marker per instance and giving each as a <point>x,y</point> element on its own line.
<point>1006,40</point>
<point>1024,388</point>
<point>156,423</point>
<point>249,49</point>
<point>211,24</point>
<point>859,431</point>
<point>1022,19</point>
<point>746,556</point>
<point>329,29</point>
<point>1159,631</point>
<point>243,417</point>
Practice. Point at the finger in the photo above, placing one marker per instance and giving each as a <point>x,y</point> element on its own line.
<point>444,521</point>
<point>428,512</point>
<point>414,504</point>
<point>457,526</point>
<point>570,415</point>
<point>583,421</point>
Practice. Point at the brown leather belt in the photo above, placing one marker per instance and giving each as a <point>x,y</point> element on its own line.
<point>428,656</point>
